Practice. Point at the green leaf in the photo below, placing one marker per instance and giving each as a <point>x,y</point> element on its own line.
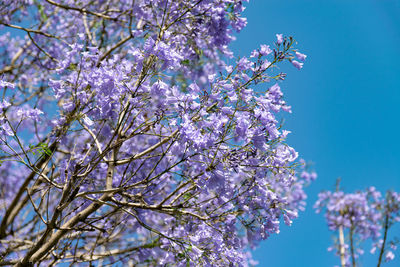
<point>198,51</point>
<point>43,15</point>
<point>44,149</point>
<point>185,62</point>
<point>72,66</point>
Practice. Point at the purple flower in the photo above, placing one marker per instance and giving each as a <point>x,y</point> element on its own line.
<point>244,64</point>
<point>29,113</point>
<point>149,45</point>
<point>4,104</point>
<point>389,256</point>
<point>87,120</point>
<point>6,84</point>
<point>301,56</point>
<point>254,53</point>
<point>309,177</point>
<point>7,129</point>
<point>279,38</point>
<point>265,50</point>
<point>297,64</point>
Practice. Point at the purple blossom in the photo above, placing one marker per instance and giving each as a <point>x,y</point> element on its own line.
<point>6,84</point>
<point>4,104</point>
<point>309,177</point>
<point>301,56</point>
<point>87,121</point>
<point>297,64</point>
<point>279,39</point>
<point>7,129</point>
<point>265,50</point>
<point>389,256</point>
<point>244,64</point>
<point>29,113</point>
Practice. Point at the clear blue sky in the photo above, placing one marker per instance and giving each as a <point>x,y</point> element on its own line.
<point>346,107</point>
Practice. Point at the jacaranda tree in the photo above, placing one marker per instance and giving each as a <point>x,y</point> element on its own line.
<point>131,135</point>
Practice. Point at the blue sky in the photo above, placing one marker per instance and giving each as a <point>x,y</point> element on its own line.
<point>346,107</point>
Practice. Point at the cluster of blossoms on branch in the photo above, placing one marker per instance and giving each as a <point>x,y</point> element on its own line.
<point>358,217</point>
<point>130,134</point>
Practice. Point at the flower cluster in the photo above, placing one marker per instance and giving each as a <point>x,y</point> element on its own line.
<point>129,134</point>
<point>362,215</point>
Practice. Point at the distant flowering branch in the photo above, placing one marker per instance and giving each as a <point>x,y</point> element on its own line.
<point>362,215</point>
